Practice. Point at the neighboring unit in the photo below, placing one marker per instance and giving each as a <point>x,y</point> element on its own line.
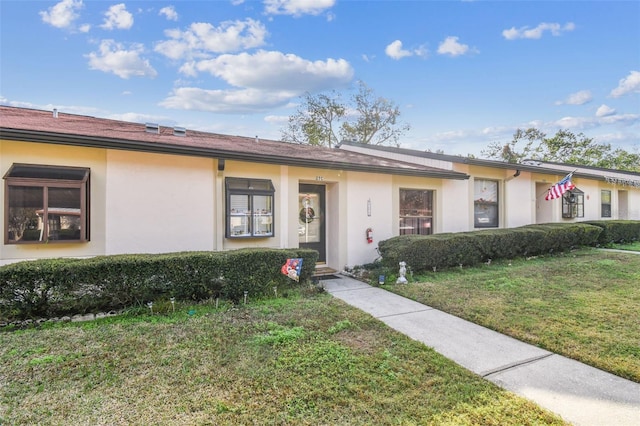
<point>506,195</point>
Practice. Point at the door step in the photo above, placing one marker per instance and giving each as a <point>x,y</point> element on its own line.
<point>322,271</point>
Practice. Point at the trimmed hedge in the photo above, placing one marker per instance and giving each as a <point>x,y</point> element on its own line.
<point>55,287</point>
<point>617,231</point>
<point>423,253</point>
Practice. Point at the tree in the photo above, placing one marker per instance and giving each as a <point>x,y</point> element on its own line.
<point>316,120</point>
<point>369,119</point>
<point>19,220</point>
<point>563,147</point>
<point>376,119</point>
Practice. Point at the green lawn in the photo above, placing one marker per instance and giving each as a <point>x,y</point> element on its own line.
<point>584,305</point>
<point>301,360</point>
<point>635,246</point>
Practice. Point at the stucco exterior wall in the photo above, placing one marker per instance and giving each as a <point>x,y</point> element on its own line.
<point>159,203</point>
<point>519,199</point>
<point>44,154</point>
<point>634,203</point>
<point>369,205</point>
<point>454,202</point>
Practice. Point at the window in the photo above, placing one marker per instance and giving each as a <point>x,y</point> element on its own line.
<point>249,208</point>
<point>605,203</point>
<point>45,204</point>
<point>416,212</point>
<point>573,203</point>
<point>485,203</point>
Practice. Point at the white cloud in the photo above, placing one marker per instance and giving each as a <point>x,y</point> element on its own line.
<point>271,70</point>
<point>276,119</point>
<point>125,63</point>
<point>225,101</point>
<point>395,51</point>
<point>189,69</point>
<point>169,12</point>
<point>19,104</point>
<point>297,7</point>
<point>579,98</point>
<point>421,51</point>
<point>117,17</point>
<point>84,28</point>
<point>134,117</point>
<point>260,81</point>
<point>622,119</point>
<point>201,39</point>
<point>72,109</point>
<point>620,139</point>
<point>629,84</point>
<point>62,14</point>
<point>497,130</point>
<point>604,110</point>
<point>450,46</point>
<point>581,123</point>
<point>451,135</point>
<point>535,33</point>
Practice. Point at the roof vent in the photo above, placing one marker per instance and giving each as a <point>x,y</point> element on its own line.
<point>55,113</point>
<point>179,131</point>
<point>152,128</point>
<point>257,140</point>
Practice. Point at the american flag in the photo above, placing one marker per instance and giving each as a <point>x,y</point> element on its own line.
<point>560,188</point>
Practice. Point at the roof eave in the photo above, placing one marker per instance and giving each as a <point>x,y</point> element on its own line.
<point>488,163</point>
<point>160,148</point>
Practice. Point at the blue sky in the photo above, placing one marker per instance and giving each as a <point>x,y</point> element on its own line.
<point>463,73</point>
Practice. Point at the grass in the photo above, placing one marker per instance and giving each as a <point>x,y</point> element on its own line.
<point>634,246</point>
<point>305,359</point>
<point>584,305</point>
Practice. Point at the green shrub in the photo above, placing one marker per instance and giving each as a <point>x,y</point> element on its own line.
<point>28,289</point>
<point>562,236</point>
<point>426,252</point>
<point>617,231</point>
<point>55,287</point>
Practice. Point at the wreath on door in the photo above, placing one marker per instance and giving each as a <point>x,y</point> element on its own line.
<point>307,214</point>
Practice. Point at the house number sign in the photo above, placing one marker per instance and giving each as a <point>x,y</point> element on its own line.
<point>622,181</point>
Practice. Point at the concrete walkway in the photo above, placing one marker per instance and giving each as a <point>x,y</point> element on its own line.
<point>622,251</point>
<point>580,394</point>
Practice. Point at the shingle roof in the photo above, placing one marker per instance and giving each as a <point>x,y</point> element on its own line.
<point>543,167</point>
<point>32,125</point>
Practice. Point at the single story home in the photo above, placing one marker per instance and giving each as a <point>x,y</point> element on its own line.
<point>80,186</point>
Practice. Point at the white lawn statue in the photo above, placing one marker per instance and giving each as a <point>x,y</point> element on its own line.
<point>403,271</point>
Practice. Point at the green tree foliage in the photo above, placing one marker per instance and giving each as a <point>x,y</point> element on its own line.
<point>563,147</point>
<point>316,120</point>
<point>376,119</point>
<point>324,119</point>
